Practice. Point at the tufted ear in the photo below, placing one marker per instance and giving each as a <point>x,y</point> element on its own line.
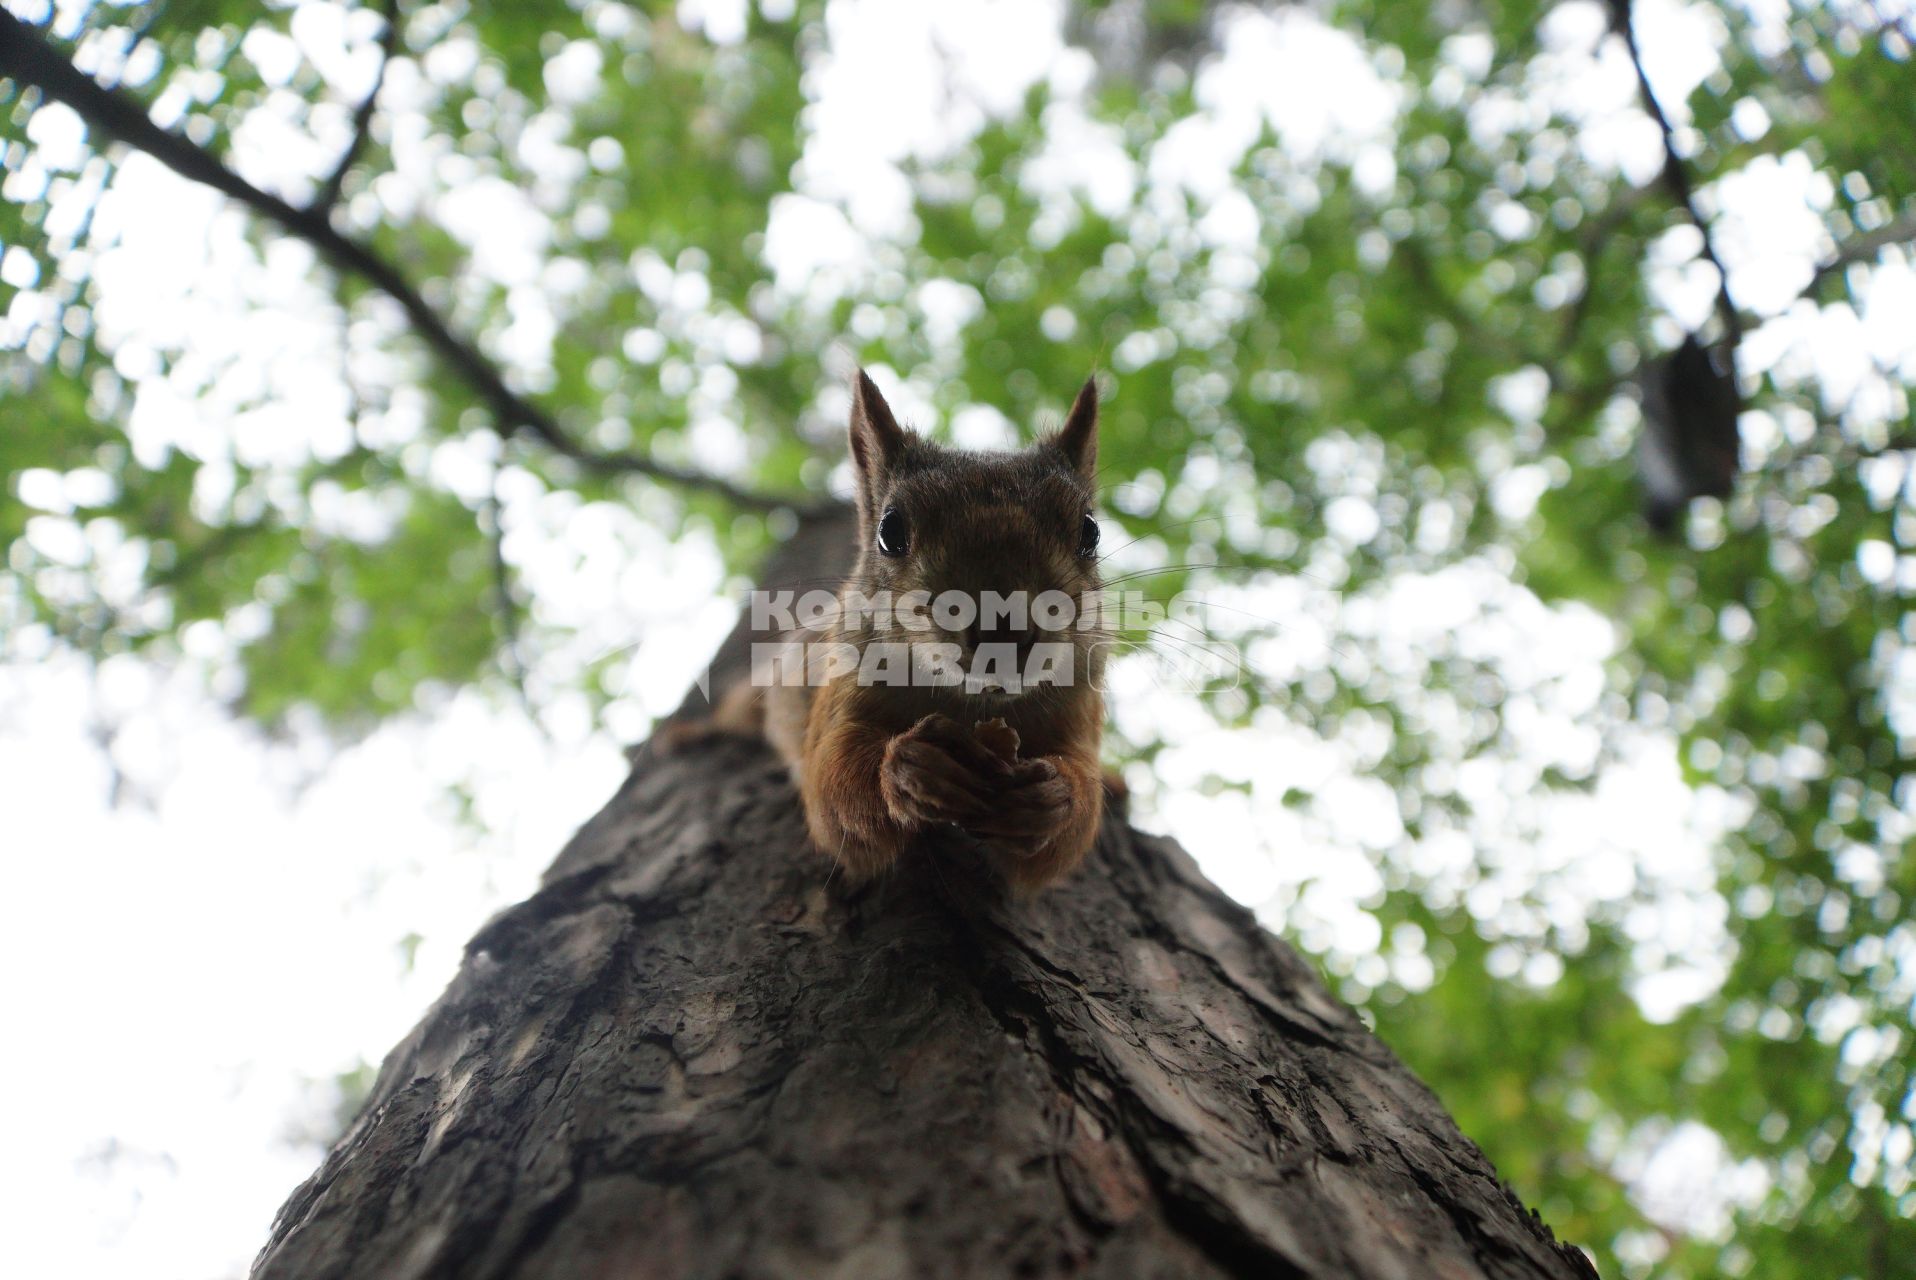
<point>1078,438</point>
<point>877,439</point>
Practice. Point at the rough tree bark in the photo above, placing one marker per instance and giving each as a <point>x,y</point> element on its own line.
<point>691,1054</point>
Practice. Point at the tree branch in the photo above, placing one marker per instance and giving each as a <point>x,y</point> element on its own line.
<point>1675,176</point>
<point>1887,22</point>
<point>1858,248</point>
<point>492,525</point>
<point>1592,244</point>
<point>362,118</point>
<point>1895,444</point>
<point>27,57</point>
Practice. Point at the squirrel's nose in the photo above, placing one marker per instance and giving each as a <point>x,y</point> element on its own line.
<point>978,634</point>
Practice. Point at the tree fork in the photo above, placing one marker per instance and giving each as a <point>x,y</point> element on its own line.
<point>691,1053</point>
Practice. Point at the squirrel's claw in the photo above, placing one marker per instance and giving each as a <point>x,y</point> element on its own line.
<point>935,772</point>
<point>998,737</point>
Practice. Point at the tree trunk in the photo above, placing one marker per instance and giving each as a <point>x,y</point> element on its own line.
<point>692,1054</point>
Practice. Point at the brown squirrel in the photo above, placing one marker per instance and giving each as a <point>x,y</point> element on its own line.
<point>1011,758</point>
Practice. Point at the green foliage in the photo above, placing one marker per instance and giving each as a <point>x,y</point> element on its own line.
<point>1375,338</point>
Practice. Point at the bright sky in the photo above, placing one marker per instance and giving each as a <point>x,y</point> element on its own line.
<point>260,918</point>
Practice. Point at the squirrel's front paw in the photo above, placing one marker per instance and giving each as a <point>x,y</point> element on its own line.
<point>937,771</point>
<point>1029,809</point>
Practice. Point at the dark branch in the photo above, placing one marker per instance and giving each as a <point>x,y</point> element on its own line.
<point>362,118</point>
<point>492,524</point>
<point>1594,241</point>
<point>1676,177</point>
<point>26,57</point>
<point>1887,22</point>
<point>1895,444</point>
<point>1862,247</point>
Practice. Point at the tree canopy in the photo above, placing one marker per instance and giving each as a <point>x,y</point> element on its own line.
<point>1388,299</point>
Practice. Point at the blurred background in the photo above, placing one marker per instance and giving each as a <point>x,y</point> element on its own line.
<point>1577,759</point>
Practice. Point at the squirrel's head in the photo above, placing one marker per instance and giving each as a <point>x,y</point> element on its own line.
<point>1014,533</point>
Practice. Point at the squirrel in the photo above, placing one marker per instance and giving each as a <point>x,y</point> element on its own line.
<point>885,735</point>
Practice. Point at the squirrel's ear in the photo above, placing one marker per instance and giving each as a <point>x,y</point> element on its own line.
<point>877,439</point>
<point>1078,438</point>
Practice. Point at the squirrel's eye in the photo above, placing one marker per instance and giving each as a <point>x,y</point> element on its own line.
<point>1088,537</point>
<point>894,534</point>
